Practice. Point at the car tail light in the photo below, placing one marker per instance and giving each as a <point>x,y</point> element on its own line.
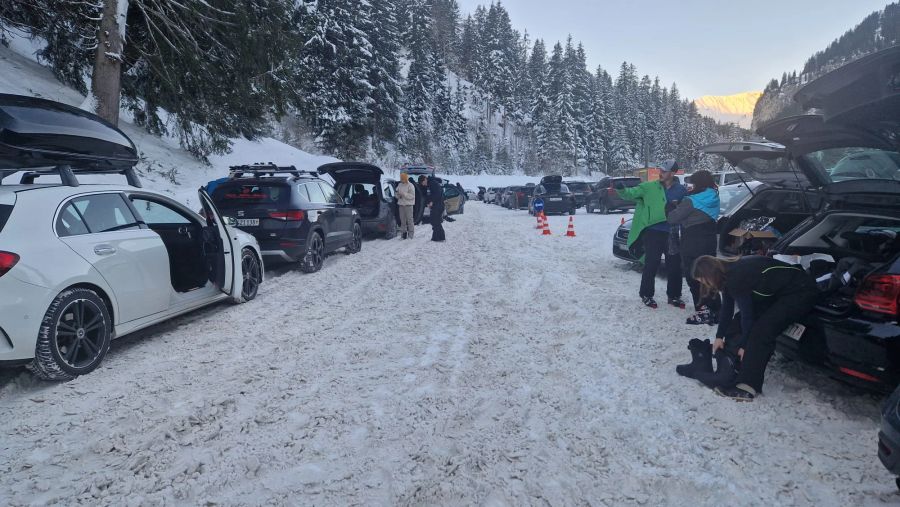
<point>521,194</point>
<point>7,261</point>
<point>288,216</point>
<point>879,293</point>
<point>858,374</point>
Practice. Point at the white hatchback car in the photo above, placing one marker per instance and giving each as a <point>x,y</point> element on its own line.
<point>83,264</point>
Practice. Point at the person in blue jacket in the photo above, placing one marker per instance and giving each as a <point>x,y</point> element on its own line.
<point>697,214</point>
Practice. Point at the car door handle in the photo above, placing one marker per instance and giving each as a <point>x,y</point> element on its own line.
<point>104,249</point>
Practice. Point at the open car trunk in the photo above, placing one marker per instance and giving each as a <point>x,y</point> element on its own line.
<point>358,184</point>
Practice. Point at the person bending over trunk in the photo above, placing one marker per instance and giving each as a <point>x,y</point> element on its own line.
<point>650,231</point>
<point>770,295</point>
<point>436,197</point>
<point>697,214</point>
<point>406,200</point>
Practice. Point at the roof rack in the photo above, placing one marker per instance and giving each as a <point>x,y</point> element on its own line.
<point>265,169</point>
<point>68,176</point>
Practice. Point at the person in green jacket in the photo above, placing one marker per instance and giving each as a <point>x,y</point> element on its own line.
<point>650,232</point>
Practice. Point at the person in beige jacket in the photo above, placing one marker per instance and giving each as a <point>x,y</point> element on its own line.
<point>406,200</point>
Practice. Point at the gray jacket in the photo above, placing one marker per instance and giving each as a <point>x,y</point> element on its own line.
<point>687,216</point>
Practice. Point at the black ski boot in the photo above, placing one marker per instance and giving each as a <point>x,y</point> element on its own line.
<point>677,303</point>
<point>701,359</point>
<point>725,374</point>
<point>650,302</point>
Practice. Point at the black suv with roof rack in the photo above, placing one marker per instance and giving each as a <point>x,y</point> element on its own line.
<point>294,215</point>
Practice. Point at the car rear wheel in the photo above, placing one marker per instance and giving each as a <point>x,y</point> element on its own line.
<point>315,254</point>
<point>356,243</point>
<point>74,336</point>
<point>588,208</point>
<point>251,270</point>
<point>390,231</point>
<point>604,208</point>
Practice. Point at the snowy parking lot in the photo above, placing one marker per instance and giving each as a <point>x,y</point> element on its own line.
<point>498,368</point>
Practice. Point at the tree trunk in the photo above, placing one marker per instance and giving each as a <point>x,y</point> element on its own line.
<point>106,80</point>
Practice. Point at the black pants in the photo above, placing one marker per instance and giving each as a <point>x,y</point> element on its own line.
<point>437,228</point>
<point>698,241</point>
<point>767,326</point>
<point>656,244</point>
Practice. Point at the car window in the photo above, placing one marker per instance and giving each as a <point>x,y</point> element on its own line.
<point>5,212</point>
<point>303,193</point>
<point>315,193</point>
<point>105,212</point>
<point>69,222</point>
<point>450,192</point>
<point>331,196</point>
<point>155,213</point>
<point>231,195</point>
<point>388,192</point>
<point>626,183</point>
<point>842,164</point>
<point>357,194</point>
<point>730,196</point>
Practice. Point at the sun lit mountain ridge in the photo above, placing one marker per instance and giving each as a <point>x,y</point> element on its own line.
<point>737,108</point>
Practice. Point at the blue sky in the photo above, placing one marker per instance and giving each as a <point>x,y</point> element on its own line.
<point>707,47</point>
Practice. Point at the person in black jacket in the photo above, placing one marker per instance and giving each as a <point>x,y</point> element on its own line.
<point>696,214</point>
<point>436,202</point>
<point>770,295</point>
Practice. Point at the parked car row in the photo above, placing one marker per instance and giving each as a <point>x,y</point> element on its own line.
<point>555,196</point>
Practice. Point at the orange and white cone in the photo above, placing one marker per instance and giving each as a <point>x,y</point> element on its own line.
<point>540,223</point>
<point>570,232</point>
<point>622,222</point>
<point>546,231</point>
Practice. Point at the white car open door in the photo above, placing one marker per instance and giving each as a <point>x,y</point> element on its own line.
<point>219,247</point>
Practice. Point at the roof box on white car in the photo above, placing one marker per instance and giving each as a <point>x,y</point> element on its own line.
<point>41,133</point>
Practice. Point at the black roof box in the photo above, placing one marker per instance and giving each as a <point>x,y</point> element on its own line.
<point>40,133</point>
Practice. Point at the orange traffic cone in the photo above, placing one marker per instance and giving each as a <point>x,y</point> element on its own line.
<point>622,222</point>
<point>539,221</point>
<point>546,231</point>
<point>570,232</point>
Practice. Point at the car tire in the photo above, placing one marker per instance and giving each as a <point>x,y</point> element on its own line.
<point>573,211</point>
<point>588,209</point>
<point>355,244</point>
<point>251,270</point>
<point>604,208</point>
<point>391,229</point>
<point>314,258</point>
<point>74,336</point>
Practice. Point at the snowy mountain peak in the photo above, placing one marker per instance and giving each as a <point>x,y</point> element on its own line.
<point>736,108</point>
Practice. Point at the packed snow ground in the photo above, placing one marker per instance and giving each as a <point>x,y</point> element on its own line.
<point>498,368</point>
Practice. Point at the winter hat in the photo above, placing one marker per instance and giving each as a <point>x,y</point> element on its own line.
<point>669,166</point>
<point>404,177</point>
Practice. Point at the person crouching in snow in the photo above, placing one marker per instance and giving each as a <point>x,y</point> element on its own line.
<point>697,214</point>
<point>770,295</point>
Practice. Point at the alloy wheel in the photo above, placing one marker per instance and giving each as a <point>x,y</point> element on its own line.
<point>80,333</point>
<point>252,275</point>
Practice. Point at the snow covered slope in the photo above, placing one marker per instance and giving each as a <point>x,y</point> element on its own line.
<point>736,108</point>
<point>164,166</point>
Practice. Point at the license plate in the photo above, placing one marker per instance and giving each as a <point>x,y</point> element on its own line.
<point>794,331</point>
<point>247,222</point>
<point>555,199</point>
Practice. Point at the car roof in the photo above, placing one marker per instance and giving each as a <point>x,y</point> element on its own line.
<point>61,190</point>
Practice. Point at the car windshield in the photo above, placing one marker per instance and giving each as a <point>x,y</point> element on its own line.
<point>730,196</point>
<point>843,164</point>
<point>578,186</point>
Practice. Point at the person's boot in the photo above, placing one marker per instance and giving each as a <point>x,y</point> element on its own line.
<point>677,303</point>
<point>701,316</point>
<point>701,359</point>
<point>403,236</point>
<point>725,374</point>
<point>649,301</point>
